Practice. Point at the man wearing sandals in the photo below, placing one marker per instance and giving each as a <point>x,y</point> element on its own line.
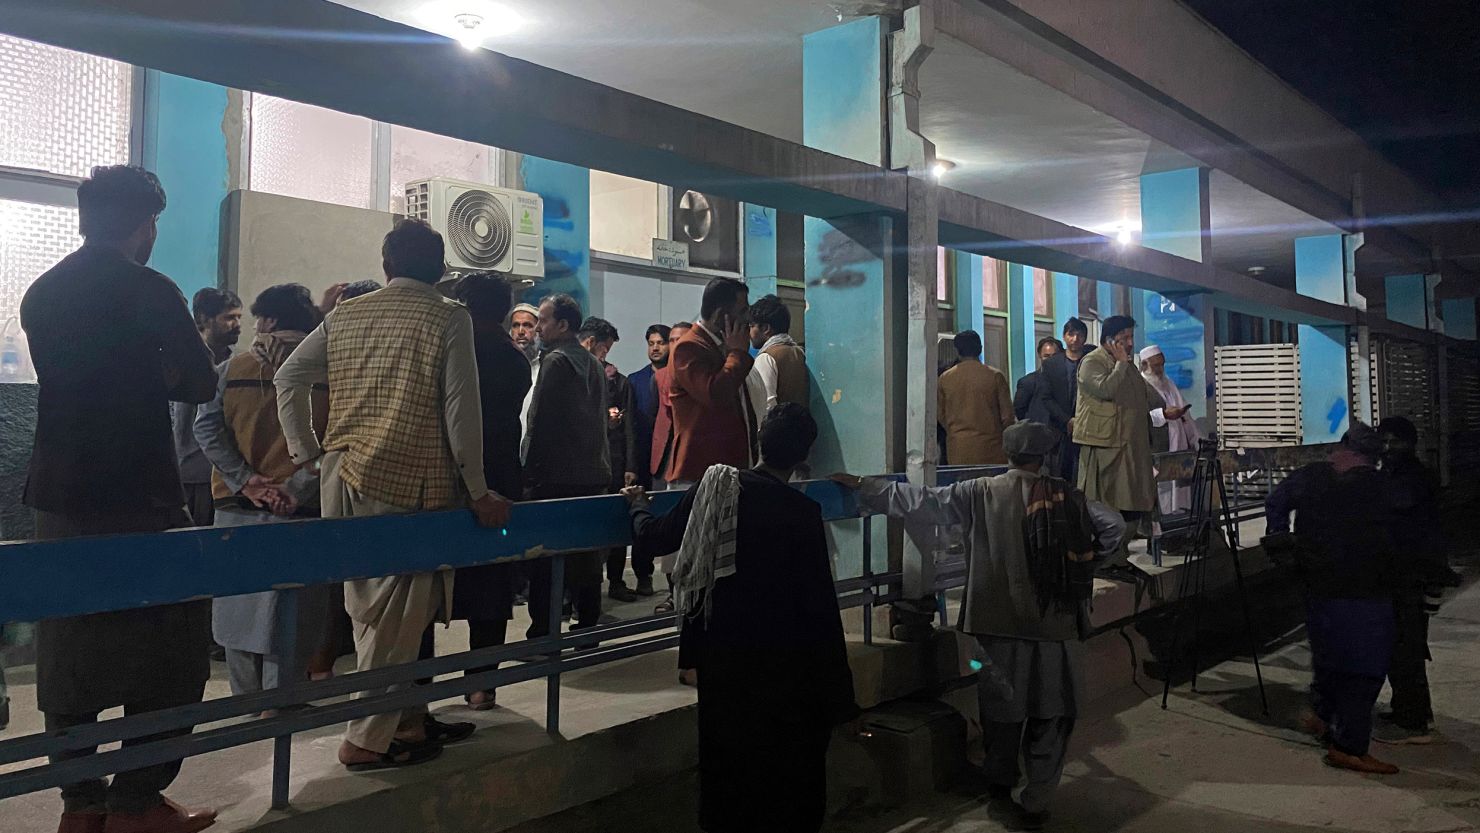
<point>405,434</point>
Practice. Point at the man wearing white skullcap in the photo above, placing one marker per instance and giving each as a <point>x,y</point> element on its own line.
<point>1174,416</point>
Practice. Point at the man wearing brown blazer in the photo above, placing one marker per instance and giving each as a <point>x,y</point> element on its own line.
<point>711,419</point>
<point>712,422</point>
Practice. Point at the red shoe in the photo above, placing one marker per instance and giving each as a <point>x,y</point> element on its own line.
<point>168,817</point>
<point>1366,763</point>
<point>82,823</point>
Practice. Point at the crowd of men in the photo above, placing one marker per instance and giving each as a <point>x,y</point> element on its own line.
<point>427,393</point>
<point>421,393</point>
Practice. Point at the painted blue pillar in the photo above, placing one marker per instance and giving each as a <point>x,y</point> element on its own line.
<point>1459,318</point>
<point>1065,300</point>
<point>1175,219</point>
<point>185,144</point>
<point>969,301</point>
<point>1410,300</point>
<point>760,249</point>
<point>566,190</point>
<point>1020,332</point>
<point>1325,406</point>
<point>852,275</point>
<point>1105,299</point>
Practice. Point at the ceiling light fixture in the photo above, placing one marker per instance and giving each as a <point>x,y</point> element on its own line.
<point>469,33</point>
<point>940,167</point>
<point>1123,237</point>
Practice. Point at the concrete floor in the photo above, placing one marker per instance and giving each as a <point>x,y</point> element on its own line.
<point>1211,763</point>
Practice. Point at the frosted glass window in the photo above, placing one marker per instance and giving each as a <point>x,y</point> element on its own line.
<point>62,111</point>
<point>992,277</point>
<point>416,154</point>
<point>1042,293</point>
<point>33,238</point>
<point>299,150</point>
<point>624,215</point>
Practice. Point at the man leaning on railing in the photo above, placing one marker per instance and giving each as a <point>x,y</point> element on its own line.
<point>405,434</point>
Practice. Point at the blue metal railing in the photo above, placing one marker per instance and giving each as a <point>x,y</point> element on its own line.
<point>79,576</point>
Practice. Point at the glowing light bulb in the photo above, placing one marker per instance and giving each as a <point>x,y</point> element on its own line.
<point>470,35</point>
<point>941,167</point>
<point>1123,237</point>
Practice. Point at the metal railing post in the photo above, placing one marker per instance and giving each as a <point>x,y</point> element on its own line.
<point>557,619</point>
<point>868,573</point>
<point>285,627</point>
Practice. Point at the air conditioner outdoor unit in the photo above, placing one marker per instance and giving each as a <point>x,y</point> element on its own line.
<point>489,228</point>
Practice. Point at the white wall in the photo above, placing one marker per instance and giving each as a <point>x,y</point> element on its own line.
<point>634,301</point>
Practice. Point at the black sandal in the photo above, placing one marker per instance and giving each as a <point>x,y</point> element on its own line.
<point>400,754</point>
<point>445,733</point>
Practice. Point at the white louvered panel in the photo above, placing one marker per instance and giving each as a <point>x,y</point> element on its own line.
<point>1354,365</point>
<point>1258,394</point>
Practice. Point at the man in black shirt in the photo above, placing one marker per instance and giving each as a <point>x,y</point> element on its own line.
<point>484,595</point>
<point>1344,519</point>
<point>114,344</point>
<point>1057,389</point>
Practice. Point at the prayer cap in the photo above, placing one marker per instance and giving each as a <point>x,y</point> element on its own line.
<point>529,308</point>
<point>1032,439</point>
<point>1148,351</point>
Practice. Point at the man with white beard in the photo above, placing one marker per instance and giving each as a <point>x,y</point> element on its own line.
<point>1182,431</point>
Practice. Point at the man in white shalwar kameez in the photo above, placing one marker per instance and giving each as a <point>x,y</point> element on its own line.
<point>1182,431</point>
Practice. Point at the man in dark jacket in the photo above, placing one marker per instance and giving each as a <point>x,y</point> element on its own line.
<point>484,595</point>
<point>1422,570</point>
<point>1057,393</point>
<point>104,463</point>
<point>566,452</point>
<point>1025,402</point>
<point>598,336</point>
<point>1345,555</point>
<point>771,688</point>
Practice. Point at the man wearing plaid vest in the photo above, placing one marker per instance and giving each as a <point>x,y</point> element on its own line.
<point>405,434</point>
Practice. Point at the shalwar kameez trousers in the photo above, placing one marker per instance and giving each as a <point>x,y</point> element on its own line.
<point>143,660</point>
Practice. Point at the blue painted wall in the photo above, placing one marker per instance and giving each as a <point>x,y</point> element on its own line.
<point>1320,267</point>
<point>1021,337</point>
<point>1324,394</point>
<point>1171,212</point>
<point>760,249</point>
<point>1459,318</point>
<point>1406,301</point>
<point>968,279</point>
<point>566,190</point>
<point>185,145</point>
<point>1172,222</point>
<point>843,84</point>
<point>1065,301</point>
<point>1177,328</point>
<point>850,268</point>
<point>1325,406</point>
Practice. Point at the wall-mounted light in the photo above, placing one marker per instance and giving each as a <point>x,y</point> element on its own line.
<point>940,167</point>
<point>1123,237</point>
<point>470,30</point>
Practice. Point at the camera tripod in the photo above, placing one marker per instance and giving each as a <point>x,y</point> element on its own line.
<point>1192,583</point>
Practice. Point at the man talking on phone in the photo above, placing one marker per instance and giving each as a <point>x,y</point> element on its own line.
<point>712,422</point>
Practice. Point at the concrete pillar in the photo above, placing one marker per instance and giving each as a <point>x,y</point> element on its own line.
<point>1065,300</point>
<point>566,190</point>
<point>1325,372</point>
<point>185,142</point>
<point>967,276</point>
<point>759,223</point>
<point>1459,318</point>
<point>1020,331</point>
<point>1175,218</point>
